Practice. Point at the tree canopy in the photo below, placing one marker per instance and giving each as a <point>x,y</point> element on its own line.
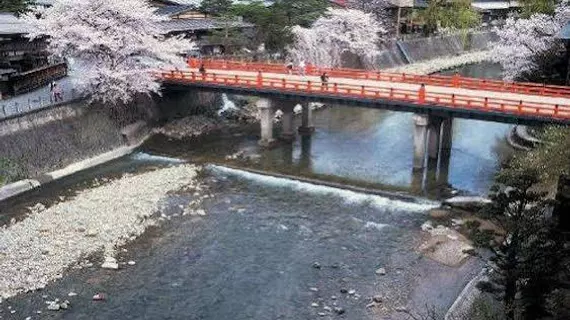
<point>113,47</point>
<point>16,6</point>
<point>215,7</point>
<point>274,22</point>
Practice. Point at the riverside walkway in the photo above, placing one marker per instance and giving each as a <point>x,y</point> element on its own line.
<point>483,99</point>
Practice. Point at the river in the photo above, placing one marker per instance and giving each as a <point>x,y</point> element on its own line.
<point>270,247</point>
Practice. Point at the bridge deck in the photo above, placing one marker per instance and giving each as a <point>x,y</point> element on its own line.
<point>524,105</point>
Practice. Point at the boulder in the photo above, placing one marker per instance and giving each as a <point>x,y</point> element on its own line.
<point>467,203</point>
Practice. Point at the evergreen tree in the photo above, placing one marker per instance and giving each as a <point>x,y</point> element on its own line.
<point>527,263</point>
<point>215,7</point>
<point>15,6</point>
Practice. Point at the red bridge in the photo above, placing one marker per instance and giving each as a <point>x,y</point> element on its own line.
<point>514,102</point>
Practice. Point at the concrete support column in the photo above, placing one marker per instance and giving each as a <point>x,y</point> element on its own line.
<point>266,119</point>
<point>287,133</point>
<point>306,119</point>
<point>445,150</point>
<point>420,135</point>
<point>305,158</point>
<point>434,137</point>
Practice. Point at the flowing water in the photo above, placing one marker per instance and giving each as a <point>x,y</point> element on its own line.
<point>253,255</point>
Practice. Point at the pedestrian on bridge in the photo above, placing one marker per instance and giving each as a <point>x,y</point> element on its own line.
<point>202,69</point>
<point>290,67</point>
<point>325,81</point>
<point>302,67</point>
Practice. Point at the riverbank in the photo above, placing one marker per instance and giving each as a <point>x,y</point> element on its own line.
<point>443,63</point>
<point>40,248</point>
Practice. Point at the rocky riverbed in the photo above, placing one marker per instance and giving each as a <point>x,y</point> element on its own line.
<point>38,249</point>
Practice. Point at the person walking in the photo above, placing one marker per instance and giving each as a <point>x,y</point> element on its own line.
<point>289,67</point>
<point>202,69</point>
<point>302,67</point>
<point>325,81</point>
<point>57,93</point>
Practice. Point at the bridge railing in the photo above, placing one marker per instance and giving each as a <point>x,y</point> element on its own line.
<point>439,80</point>
<point>454,101</point>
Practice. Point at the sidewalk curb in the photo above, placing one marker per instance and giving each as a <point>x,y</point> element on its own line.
<point>19,187</point>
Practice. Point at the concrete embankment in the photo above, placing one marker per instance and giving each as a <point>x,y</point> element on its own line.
<point>55,142</point>
<point>403,52</point>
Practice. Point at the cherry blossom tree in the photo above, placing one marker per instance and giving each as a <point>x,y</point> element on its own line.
<point>112,46</point>
<point>338,32</point>
<point>527,45</point>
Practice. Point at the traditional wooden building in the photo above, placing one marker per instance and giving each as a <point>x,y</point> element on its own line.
<point>24,65</point>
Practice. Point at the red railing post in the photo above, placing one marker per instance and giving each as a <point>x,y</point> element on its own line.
<point>193,76</point>
<point>520,106</point>
<point>236,79</point>
<point>455,80</point>
<point>284,83</point>
<point>214,77</point>
<point>422,94</point>
<point>391,93</point>
<point>309,86</point>
<point>259,79</point>
<point>556,110</point>
<point>335,88</point>
<point>486,104</point>
<point>453,100</point>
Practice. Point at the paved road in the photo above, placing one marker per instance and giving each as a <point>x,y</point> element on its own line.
<point>37,99</point>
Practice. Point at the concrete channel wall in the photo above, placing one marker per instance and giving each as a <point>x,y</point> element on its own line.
<point>397,53</point>
<point>50,143</point>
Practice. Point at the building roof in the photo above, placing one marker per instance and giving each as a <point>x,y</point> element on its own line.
<point>10,24</point>
<point>173,10</point>
<point>178,25</point>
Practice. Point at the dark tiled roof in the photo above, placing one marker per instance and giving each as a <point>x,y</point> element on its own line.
<point>175,25</point>
<point>173,10</point>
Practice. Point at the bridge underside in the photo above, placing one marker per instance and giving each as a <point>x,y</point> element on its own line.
<point>385,104</point>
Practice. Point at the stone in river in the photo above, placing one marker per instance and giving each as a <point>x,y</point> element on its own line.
<point>381,271</point>
<point>99,297</point>
<point>339,310</point>
<point>53,306</point>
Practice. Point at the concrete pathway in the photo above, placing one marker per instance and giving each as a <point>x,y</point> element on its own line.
<point>37,99</point>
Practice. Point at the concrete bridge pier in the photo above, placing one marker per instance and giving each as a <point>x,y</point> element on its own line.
<point>445,150</point>
<point>420,135</point>
<point>305,159</point>
<point>306,119</point>
<point>287,133</point>
<point>266,120</point>
<point>432,140</point>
